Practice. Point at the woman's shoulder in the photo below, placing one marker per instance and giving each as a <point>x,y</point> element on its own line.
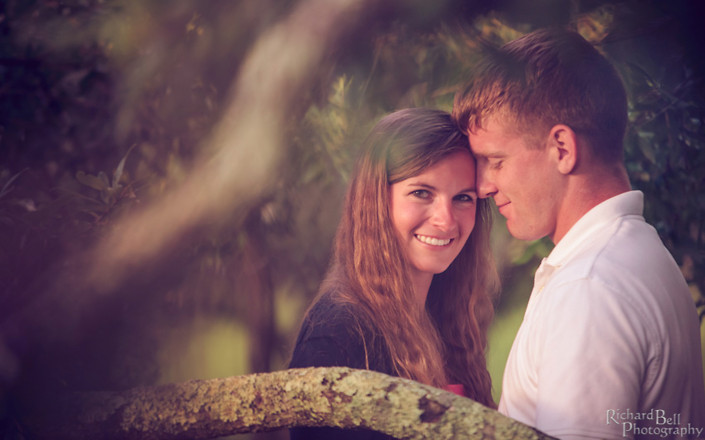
<point>331,319</point>
<point>329,310</point>
<point>335,333</point>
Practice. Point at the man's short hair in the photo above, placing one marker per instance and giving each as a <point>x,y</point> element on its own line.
<point>548,77</point>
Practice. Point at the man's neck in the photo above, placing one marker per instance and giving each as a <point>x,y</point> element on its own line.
<point>584,192</point>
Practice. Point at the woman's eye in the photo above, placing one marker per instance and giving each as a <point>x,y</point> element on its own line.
<point>465,198</point>
<point>421,194</point>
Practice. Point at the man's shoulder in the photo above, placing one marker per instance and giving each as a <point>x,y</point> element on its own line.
<point>625,249</point>
<point>625,265</point>
<point>627,272</point>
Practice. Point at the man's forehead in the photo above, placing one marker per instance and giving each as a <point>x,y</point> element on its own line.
<point>496,139</point>
<point>499,120</point>
<point>494,124</point>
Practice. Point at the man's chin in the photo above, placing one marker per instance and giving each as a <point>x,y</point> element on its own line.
<point>521,234</point>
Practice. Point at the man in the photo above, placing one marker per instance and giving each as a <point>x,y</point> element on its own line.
<point>610,342</point>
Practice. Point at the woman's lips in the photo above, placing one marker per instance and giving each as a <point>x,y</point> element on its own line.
<point>433,241</point>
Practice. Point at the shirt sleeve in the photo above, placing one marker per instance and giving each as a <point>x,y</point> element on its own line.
<point>592,357</point>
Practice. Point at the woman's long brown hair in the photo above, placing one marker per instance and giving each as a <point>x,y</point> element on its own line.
<point>445,342</point>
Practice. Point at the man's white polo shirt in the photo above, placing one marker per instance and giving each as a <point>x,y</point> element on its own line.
<point>610,342</point>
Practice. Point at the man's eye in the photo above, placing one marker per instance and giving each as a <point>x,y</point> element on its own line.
<point>496,164</point>
<point>421,194</point>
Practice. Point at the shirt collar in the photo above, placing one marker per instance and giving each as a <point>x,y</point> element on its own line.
<point>627,203</point>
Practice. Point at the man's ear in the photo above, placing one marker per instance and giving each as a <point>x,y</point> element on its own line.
<point>564,142</point>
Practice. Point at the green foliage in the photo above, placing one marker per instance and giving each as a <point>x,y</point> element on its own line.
<point>8,185</point>
<point>665,144</point>
<point>111,193</point>
<point>330,128</point>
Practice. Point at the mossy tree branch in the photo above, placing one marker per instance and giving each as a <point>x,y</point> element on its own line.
<point>342,397</point>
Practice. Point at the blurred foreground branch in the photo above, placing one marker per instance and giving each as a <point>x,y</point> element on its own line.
<point>236,166</point>
<point>247,145</point>
<point>342,397</point>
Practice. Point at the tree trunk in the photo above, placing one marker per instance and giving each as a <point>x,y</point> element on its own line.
<point>260,288</point>
<point>342,397</point>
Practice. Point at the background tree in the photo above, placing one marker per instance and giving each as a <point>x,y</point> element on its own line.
<point>123,262</point>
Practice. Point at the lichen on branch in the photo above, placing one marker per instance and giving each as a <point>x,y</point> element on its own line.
<point>336,396</point>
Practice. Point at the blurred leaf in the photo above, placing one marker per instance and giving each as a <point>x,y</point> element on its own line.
<point>7,187</point>
<point>99,182</point>
<point>118,171</point>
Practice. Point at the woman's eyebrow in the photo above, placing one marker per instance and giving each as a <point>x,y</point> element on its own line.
<point>422,185</point>
<point>433,188</point>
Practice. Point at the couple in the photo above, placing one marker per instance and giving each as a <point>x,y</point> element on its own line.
<point>610,334</point>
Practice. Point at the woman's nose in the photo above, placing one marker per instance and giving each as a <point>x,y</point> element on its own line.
<point>443,216</point>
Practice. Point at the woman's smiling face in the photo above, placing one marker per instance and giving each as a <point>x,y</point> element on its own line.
<point>434,213</point>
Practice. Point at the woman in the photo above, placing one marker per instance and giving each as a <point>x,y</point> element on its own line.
<point>409,292</point>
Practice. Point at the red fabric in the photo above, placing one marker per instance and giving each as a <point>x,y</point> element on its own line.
<point>456,388</point>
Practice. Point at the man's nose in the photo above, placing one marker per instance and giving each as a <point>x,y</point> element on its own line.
<point>485,186</point>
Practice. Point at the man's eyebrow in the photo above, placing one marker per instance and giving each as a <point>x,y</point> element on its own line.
<point>490,155</point>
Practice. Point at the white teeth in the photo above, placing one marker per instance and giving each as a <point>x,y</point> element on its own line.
<point>432,240</point>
